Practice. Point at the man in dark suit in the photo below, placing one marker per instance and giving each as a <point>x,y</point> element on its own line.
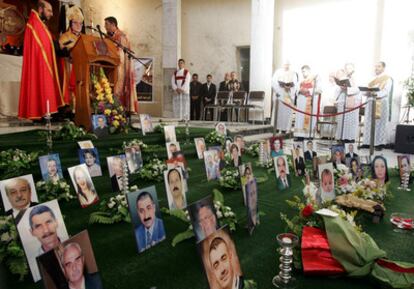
<point>208,94</point>
<point>73,262</point>
<point>195,97</point>
<point>101,130</point>
<point>351,153</point>
<point>19,194</point>
<point>283,181</point>
<point>309,153</point>
<point>151,230</point>
<point>224,85</point>
<point>299,163</point>
<point>118,172</point>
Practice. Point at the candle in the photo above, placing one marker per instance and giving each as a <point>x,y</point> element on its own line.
<point>47,107</point>
<point>287,240</point>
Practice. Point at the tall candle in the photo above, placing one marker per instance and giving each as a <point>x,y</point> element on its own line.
<point>47,107</point>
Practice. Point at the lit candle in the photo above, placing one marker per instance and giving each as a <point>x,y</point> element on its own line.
<point>47,107</point>
<point>286,240</point>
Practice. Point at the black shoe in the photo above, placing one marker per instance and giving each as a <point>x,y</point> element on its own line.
<point>364,147</point>
<point>379,148</point>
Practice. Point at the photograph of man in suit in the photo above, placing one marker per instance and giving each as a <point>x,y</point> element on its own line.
<point>151,230</point>
<point>208,95</point>
<point>207,221</point>
<point>73,263</point>
<point>116,164</point>
<point>282,173</point>
<point>309,153</point>
<point>100,127</point>
<point>299,162</point>
<point>19,195</point>
<point>351,154</point>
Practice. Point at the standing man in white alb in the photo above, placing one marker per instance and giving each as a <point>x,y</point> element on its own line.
<point>285,86</point>
<point>180,83</point>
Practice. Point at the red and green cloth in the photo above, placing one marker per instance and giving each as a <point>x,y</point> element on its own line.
<point>344,250</point>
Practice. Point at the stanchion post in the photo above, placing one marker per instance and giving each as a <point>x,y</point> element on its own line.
<point>373,111</point>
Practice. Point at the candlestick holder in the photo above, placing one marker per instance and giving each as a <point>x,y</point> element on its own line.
<point>405,179</point>
<point>284,279</point>
<point>49,138</point>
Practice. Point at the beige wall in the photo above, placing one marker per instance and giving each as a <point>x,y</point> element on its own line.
<point>211,31</point>
<point>141,20</point>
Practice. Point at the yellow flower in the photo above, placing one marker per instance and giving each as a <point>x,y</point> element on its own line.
<point>108,90</point>
<point>117,117</point>
<point>115,123</point>
<point>121,108</point>
<point>107,111</point>
<point>114,112</point>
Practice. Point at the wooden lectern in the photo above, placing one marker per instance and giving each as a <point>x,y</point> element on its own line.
<point>89,55</point>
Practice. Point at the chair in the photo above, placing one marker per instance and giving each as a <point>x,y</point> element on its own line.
<point>255,102</point>
<point>221,100</point>
<point>238,103</point>
<point>330,121</point>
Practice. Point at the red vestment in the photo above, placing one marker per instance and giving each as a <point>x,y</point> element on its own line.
<point>40,78</point>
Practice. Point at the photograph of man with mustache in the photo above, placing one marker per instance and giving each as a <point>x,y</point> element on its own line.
<point>41,230</point>
<point>175,186</point>
<point>282,172</point>
<point>149,228</point>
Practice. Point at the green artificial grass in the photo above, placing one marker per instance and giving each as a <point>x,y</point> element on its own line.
<point>180,267</point>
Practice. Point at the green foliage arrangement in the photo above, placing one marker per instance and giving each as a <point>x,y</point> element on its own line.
<point>11,252</point>
<point>112,211</point>
<point>69,131</point>
<point>253,150</point>
<point>153,170</point>
<point>214,137</point>
<point>49,190</point>
<point>230,179</point>
<point>15,162</point>
<point>409,86</point>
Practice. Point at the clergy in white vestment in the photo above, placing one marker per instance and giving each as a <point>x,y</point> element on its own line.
<point>384,82</point>
<point>346,99</point>
<point>307,101</point>
<point>284,85</point>
<point>180,82</point>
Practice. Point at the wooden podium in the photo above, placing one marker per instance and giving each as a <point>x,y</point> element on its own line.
<point>89,55</point>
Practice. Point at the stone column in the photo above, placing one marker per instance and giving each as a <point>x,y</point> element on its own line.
<point>171,49</point>
<point>261,51</point>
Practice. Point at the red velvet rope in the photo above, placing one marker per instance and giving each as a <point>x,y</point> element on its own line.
<point>394,267</point>
<point>322,115</point>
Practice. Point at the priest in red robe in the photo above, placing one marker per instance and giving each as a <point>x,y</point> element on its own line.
<point>40,90</point>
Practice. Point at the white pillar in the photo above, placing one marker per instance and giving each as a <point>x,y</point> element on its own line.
<point>171,49</point>
<point>261,50</point>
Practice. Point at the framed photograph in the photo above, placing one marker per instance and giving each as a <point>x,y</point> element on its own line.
<point>310,148</point>
<point>133,158</point>
<point>351,150</point>
<point>50,167</point>
<point>203,217</point>
<point>282,172</point>
<point>169,133</point>
<point>239,140</point>
<point>100,126</point>
<point>69,264</point>
<point>212,164</point>
<point>220,155</point>
<point>298,161</point>
<point>246,176</point>
<point>146,218</point>
<point>175,186</point>
<point>200,147</point>
<point>327,183</point>
<point>338,154</point>
<point>90,157</point>
<point>221,263</point>
<point>116,171</point>
<point>172,147</point>
<point>82,182</point>
<point>379,170</point>
<point>266,151</point>
<point>355,167</point>
<point>252,208</point>
<point>227,143</point>
<point>276,146</point>
<point>221,128</point>
<point>146,123</point>
<point>17,195</point>
<point>41,229</point>
<point>178,160</point>
<point>404,166</point>
<point>235,155</point>
<point>85,144</point>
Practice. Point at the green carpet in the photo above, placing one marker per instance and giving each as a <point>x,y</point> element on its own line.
<point>166,267</point>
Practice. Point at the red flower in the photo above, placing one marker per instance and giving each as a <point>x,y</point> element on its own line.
<point>343,181</point>
<point>307,211</point>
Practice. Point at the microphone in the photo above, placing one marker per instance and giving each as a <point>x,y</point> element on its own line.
<point>99,30</point>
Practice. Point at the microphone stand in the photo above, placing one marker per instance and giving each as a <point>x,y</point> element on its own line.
<point>311,118</point>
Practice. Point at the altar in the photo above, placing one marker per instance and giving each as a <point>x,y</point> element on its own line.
<point>10,71</point>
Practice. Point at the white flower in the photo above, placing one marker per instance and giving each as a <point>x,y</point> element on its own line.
<point>219,214</point>
<point>111,205</point>
<point>226,214</point>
